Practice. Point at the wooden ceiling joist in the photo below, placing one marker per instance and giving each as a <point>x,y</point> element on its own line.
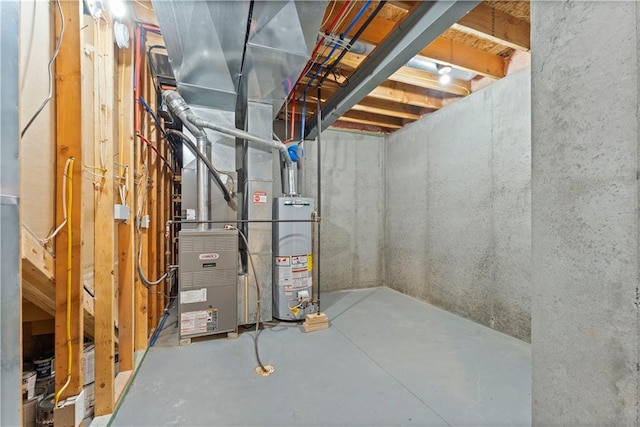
<point>386,108</point>
<point>373,119</point>
<point>394,92</point>
<point>458,55</point>
<point>497,26</point>
<point>359,127</point>
<point>441,50</point>
<point>398,92</point>
<point>414,76</point>
<point>376,106</point>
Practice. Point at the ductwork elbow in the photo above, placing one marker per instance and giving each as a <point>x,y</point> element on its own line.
<point>179,107</point>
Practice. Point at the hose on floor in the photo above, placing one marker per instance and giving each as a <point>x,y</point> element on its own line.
<point>255,277</point>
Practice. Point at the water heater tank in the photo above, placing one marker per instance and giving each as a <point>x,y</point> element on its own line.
<point>292,261</point>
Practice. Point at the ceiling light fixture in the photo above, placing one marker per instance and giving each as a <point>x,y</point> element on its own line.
<point>444,71</point>
<point>118,8</point>
<point>444,79</point>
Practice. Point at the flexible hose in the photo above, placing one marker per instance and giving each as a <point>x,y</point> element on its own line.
<point>212,170</point>
<point>255,277</point>
<point>69,188</point>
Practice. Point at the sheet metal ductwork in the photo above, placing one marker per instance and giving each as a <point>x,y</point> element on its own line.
<point>206,45</point>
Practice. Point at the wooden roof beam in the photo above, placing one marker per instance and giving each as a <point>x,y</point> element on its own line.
<point>499,27</point>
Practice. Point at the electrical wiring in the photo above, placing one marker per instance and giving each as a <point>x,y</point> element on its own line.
<point>69,206</point>
<point>355,37</point>
<point>55,232</point>
<point>50,69</point>
<point>333,6</point>
<point>319,43</point>
<point>341,37</point>
<point>255,277</point>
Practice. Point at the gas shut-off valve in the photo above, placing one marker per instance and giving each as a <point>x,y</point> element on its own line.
<point>304,297</point>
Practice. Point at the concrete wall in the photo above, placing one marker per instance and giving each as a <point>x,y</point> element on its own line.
<point>458,218</point>
<point>352,208</point>
<point>585,309</point>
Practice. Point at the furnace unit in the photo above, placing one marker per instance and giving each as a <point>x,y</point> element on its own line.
<point>208,267</point>
<point>292,263</point>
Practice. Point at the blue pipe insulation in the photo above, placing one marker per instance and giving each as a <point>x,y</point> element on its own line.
<point>153,115</point>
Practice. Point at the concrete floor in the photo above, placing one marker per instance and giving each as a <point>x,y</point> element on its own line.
<point>387,359</point>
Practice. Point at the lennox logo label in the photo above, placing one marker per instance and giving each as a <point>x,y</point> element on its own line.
<point>209,256</point>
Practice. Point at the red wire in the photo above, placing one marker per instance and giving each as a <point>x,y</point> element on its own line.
<point>156,151</point>
<point>293,118</point>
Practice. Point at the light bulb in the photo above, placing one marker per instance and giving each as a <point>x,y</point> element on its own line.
<point>444,79</point>
<point>118,8</point>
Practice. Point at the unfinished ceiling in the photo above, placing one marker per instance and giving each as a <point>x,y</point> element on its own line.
<point>361,88</point>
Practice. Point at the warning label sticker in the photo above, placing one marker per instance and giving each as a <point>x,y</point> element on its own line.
<point>299,262</point>
<point>260,197</point>
<point>283,261</point>
<point>293,273</point>
<point>195,295</point>
<point>198,322</point>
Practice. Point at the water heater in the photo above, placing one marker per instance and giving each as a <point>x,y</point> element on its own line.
<point>292,261</point>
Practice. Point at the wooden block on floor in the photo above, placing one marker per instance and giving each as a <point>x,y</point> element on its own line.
<point>315,322</point>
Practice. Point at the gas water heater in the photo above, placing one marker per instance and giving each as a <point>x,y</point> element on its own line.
<point>292,262</point>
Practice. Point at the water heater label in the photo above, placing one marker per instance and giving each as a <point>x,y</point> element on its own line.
<point>260,197</point>
<point>208,256</point>
<point>293,273</point>
<point>196,295</point>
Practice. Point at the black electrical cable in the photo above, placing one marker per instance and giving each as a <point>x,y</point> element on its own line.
<point>212,170</point>
<point>353,40</point>
<point>49,67</point>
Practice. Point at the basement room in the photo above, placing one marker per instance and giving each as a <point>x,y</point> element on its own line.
<point>319,212</point>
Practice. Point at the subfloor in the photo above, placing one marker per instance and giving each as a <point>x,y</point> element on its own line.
<point>387,359</point>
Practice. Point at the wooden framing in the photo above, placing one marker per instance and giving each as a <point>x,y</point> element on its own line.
<point>486,22</point>
<point>104,224</point>
<point>126,232</point>
<point>479,43</point>
<point>69,144</point>
<point>414,76</point>
<point>141,292</point>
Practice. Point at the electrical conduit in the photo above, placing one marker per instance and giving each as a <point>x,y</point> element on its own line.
<point>68,173</point>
